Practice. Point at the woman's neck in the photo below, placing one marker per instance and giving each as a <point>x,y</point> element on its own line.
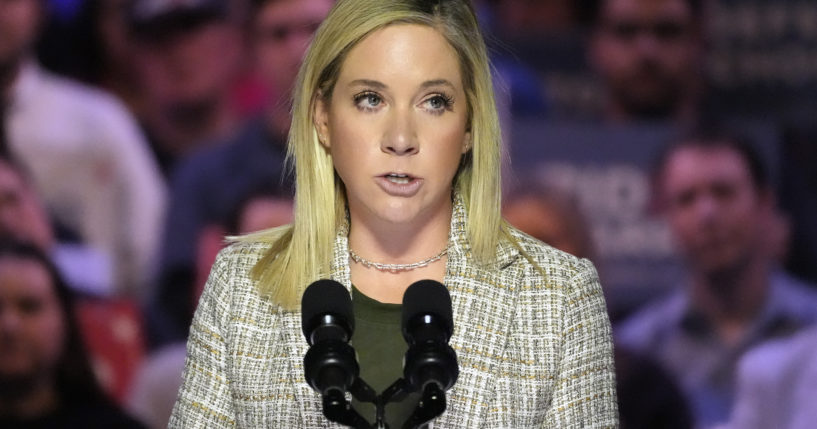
<point>389,243</point>
<point>399,243</point>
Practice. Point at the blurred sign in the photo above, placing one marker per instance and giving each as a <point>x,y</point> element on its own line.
<point>763,56</point>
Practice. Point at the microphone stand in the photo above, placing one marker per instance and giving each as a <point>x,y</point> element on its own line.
<point>431,405</point>
<point>339,410</point>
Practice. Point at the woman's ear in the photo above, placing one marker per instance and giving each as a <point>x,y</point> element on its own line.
<point>320,117</point>
<point>466,144</point>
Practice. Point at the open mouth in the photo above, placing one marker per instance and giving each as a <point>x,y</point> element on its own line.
<point>400,184</point>
<point>400,179</point>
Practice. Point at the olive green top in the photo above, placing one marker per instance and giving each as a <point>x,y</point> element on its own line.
<point>380,348</point>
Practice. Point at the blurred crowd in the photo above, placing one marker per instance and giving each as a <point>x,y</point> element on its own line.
<point>671,142</point>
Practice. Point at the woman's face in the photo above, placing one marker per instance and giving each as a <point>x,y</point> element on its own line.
<point>396,125</point>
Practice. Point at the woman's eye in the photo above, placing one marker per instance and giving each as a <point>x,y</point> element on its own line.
<point>438,103</point>
<point>367,100</point>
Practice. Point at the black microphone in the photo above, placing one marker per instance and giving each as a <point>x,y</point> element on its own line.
<point>330,365</point>
<point>427,326</point>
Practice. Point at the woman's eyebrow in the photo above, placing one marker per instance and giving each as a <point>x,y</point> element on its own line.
<point>368,82</point>
<point>437,82</point>
<point>380,85</point>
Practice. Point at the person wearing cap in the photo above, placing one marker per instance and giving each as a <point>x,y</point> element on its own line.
<point>187,57</point>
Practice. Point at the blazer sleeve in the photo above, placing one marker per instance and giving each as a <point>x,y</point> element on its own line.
<point>585,393</point>
<point>205,398</point>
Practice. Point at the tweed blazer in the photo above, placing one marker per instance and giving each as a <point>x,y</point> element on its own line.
<point>534,346</point>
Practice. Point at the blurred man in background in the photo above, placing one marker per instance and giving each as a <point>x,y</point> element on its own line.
<point>716,196</point>
<point>187,55</point>
<point>649,56</point>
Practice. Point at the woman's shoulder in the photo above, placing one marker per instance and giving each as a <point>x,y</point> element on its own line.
<point>233,285</point>
<point>242,254</point>
<point>235,262</point>
<point>546,259</point>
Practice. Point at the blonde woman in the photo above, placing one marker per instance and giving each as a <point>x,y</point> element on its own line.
<point>396,146</point>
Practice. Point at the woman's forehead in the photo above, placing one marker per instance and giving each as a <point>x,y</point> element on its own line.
<point>403,51</point>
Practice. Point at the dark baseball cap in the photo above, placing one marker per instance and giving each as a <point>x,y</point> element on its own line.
<point>159,19</point>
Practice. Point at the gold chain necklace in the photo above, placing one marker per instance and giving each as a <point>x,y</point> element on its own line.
<point>396,267</point>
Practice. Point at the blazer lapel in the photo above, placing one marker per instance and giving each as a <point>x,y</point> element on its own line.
<point>483,306</point>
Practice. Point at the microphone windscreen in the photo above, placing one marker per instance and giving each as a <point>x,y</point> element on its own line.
<point>428,296</point>
<point>325,296</point>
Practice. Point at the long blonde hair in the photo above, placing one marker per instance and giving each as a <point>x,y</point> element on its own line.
<point>301,253</point>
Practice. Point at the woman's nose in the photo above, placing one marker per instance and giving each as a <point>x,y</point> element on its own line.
<point>400,137</point>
